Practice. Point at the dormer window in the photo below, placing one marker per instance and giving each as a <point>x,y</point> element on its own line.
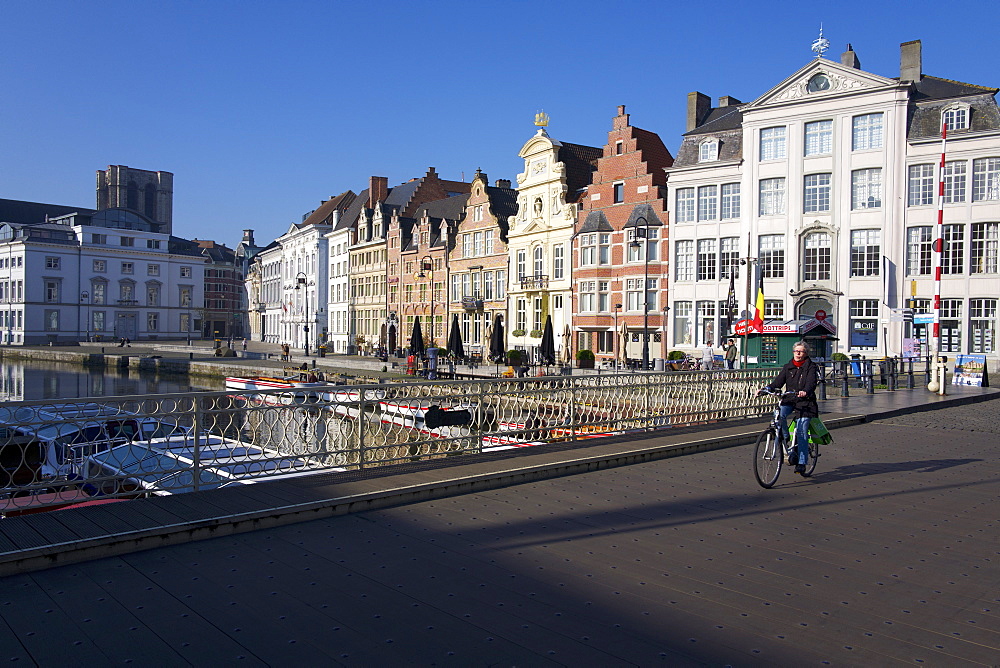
<point>708,150</point>
<point>956,117</point>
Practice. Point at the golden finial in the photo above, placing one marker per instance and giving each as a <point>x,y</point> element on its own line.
<point>541,119</point>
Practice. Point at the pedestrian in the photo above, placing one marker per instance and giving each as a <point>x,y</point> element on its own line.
<point>730,350</point>
<point>707,356</point>
<point>128,342</point>
<point>244,344</point>
<point>284,352</point>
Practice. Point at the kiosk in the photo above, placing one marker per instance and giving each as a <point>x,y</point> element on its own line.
<point>772,346</point>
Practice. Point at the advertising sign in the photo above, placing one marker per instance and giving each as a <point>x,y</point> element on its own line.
<point>970,370</point>
<point>864,333</point>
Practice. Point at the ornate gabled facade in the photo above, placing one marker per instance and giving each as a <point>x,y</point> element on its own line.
<point>827,185</point>
<point>540,237</point>
<point>624,204</point>
<point>477,283</point>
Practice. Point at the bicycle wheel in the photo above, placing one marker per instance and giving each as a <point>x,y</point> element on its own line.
<point>813,458</point>
<point>767,456</point>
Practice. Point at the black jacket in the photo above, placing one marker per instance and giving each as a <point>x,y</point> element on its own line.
<point>796,379</point>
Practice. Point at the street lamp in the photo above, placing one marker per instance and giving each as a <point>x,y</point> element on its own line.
<point>427,264</point>
<point>617,335</point>
<point>85,300</point>
<point>300,284</point>
<point>645,285</point>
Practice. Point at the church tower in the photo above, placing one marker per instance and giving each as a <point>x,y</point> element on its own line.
<point>142,191</point>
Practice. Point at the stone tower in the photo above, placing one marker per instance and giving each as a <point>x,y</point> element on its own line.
<point>148,193</point>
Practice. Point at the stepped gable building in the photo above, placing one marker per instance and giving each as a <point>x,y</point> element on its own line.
<point>139,190</point>
<point>827,184</point>
<point>624,204</point>
<point>540,237</point>
<point>477,269</point>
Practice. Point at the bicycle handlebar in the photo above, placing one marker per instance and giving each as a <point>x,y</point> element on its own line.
<point>774,393</point>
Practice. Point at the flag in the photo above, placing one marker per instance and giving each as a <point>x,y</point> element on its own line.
<point>731,304</point>
<point>758,314</point>
<point>283,307</point>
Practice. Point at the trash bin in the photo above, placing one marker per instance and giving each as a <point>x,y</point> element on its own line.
<point>322,351</point>
<point>658,364</point>
<point>856,364</point>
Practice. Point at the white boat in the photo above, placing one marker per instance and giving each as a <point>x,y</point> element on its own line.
<point>256,383</point>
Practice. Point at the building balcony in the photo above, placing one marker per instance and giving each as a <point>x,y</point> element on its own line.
<point>536,282</point>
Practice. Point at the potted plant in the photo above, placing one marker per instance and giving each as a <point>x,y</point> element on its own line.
<point>585,359</point>
<point>518,332</point>
<point>839,363</point>
<point>535,333</point>
<point>673,358</point>
<point>515,358</point>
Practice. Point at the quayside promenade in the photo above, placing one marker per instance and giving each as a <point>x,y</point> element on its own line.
<point>888,555</point>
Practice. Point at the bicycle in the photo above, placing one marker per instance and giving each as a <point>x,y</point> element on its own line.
<point>772,448</point>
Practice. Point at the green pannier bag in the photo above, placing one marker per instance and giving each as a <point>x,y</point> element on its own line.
<point>818,433</point>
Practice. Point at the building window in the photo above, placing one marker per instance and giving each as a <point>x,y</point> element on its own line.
<point>97,292</point>
<point>153,244</point>
<point>866,188</point>
<point>866,255</point>
<point>953,253</point>
<point>633,294</point>
<point>983,249</point>
<point>772,144</point>
<point>864,323</point>
<point>618,192</point>
<point>866,132</point>
<point>604,249</point>
<point>918,251</point>
<point>98,238</point>
<point>127,267</point>
<point>152,295</point>
<point>153,270</point>
<point>558,261</point>
<point>986,179</point>
<point>951,325</point>
<point>488,238</point>
<point>185,272</point>
<point>521,315</point>
<point>954,181</point>
<point>729,257</point>
<point>921,185</point>
<point>705,325</point>
<point>816,259</point>
<point>708,151</point>
<point>501,284</point>
<point>126,292</point>
<point>772,197</point>
<point>603,298</point>
<point>774,309</point>
<point>956,117</point>
<point>682,323</point>
<point>635,251</point>
<point>706,260</point>
<point>771,255</point>
<point>52,291</point>
<point>52,320</point>
<point>100,266</point>
<point>152,322</point>
<point>685,205</point>
<point>538,263</point>
<point>128,241</point>
<point>730,201</point>
<point>819,138</point>
<point>52,263</point>
<point>537,322</point>
<point>684,261</point>
<point>619,147</point>
<point>588,296</point>
<point>816,197</point>
<point>982,325</point>
<point>522,264</point>
<point>98,318</point>
<point>708,203</point>
<point>606,342</point>
<point>588,250</point>
<point>477,213</point>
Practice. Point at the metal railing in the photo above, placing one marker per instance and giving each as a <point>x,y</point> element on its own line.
<point>57,452</point>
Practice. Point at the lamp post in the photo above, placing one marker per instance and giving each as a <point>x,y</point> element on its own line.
<point>645,285</point>
<point>300,284</point>
<point>617,335</point>
<point>427,264</point>
<point>85,300</point>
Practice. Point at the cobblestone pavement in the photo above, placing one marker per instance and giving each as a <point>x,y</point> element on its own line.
<point>983,417</point>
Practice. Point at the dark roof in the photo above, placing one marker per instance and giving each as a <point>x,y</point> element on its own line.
<point>596,222</point>
<point>503,201</point>
<point>936,88</point>
<point>580,161</point>
<point>401,195</point>
<point>324,214</point>
<point>719,119</point>
<point>18,211</point>
<point>450,208</point>
<point>646,211</point>
<point>352,212</point>
<point>179,246</point>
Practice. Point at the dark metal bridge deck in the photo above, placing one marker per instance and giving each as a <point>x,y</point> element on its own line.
<point>888,555</point>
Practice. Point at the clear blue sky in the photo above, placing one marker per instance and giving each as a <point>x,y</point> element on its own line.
<point>263,109</point>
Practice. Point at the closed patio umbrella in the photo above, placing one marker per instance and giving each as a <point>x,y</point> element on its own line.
<point>623,343</point>
<point>567,347</point>
<point>455,346</point>
<point>547,349</point>
<point>497,352</point>
<point>417,339</point>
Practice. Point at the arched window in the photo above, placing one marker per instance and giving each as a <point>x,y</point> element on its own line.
<point>708,150</point>
<point>956,116</point>
<point>816,258</point>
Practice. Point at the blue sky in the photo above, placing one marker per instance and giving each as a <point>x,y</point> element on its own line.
<point>261,110</point>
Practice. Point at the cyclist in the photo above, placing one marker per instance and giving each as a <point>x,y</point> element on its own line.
<point>799,375</point>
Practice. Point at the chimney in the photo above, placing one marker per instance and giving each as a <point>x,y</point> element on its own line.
<point>910,64</point>
<point>378,190</point>
<point>728,101</point>
<point>850,59</point>
<point>502,183</point>
<point>699,105</point>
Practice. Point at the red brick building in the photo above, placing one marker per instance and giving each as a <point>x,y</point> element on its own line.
<point>624,202</point>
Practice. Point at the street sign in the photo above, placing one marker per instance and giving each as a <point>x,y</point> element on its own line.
<point>923,318</point>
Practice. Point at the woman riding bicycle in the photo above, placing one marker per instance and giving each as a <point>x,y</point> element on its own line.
<point>800,376</point>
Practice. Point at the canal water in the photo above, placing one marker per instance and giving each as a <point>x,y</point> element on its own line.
<point>29,380</point>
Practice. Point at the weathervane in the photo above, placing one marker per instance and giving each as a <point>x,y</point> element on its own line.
<point>820,45</point>
<point>541,119</point>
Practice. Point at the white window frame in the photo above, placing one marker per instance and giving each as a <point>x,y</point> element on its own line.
<point>708,203</point>
<point>708,150</point>
<point>685,205</point>
<point>772,143</point>
<point>866,189</point>
<point>866,132</point>
<point>818,138</point>
<point>985,179</point>
<point>816,193</point>
<point>772,196</point>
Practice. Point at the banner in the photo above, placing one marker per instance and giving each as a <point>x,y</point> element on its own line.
<point>970,370</point>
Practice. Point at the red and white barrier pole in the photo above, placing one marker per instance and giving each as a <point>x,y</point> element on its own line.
<point>939,369</point>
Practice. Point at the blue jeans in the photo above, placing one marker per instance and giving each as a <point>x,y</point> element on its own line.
<point>801,432</point>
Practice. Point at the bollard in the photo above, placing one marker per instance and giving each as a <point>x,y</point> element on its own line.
<point>845,382</point>
<point>869,377</point>
<point>927,370</point>
<point>190,356</point>
<point>909,374</point>
<point>822,382</point>
<point>891,385</point>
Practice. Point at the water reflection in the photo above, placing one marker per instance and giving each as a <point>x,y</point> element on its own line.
<point>28,380</point>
